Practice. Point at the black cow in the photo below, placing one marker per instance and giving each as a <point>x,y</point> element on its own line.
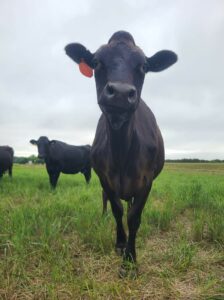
<point>128,152</point>
<point>6,160</point>
<point>61,157</point>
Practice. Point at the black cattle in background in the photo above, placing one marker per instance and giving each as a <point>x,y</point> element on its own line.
<point>127,153</point>
<point>63,158</point>
<point>6,160</point>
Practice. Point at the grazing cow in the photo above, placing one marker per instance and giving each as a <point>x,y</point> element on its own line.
<point>61,157</point>
<point>127,153</point>
<point>6,160</point>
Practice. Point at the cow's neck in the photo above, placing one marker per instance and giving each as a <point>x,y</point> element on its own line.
<point>120,142</point>
<point>48,160</point>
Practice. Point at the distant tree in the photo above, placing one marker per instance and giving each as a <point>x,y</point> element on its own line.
<point>217,161</point>
<point>20,160</point>
<point>25,160</point>
<point>194,160</point>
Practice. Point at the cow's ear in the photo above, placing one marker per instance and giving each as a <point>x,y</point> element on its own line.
<point>33,142</point>
<point>82,56</point>
<point>160,61</point>
<point>52,142</point>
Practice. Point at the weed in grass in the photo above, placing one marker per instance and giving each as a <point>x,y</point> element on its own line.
<point>181,255</point>
<point>198,227</point>
<point>161,219</point>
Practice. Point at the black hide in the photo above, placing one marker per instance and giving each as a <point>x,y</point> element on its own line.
<point>6,160</point>
<point>127,153</point>
<point>63,158</point>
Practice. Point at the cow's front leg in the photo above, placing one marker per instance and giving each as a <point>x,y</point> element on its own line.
<point>134,221</point>
<point>10,171</point>
<point>117,209</point>
<point>54,179</point>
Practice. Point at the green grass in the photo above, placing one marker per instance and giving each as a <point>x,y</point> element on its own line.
<point>57,245</point>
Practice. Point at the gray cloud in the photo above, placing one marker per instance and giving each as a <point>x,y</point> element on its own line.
<point>43,93</point>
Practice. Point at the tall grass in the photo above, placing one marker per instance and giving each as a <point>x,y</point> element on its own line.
<point>57,245</point>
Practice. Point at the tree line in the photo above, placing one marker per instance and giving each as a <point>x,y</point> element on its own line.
<point>32,159</point>
<point>194,160</point>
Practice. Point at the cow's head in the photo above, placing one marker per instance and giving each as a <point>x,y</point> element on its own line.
<point>43,145</point>
<point>119,67</point>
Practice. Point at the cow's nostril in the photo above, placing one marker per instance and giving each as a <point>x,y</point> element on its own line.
<point>110,90</point>
<point>132,94</point>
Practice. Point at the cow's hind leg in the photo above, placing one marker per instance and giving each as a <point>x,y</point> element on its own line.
<point>10,171</point>
<point>87,173</point>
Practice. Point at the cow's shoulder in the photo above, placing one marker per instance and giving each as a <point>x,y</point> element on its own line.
<point>149,137</point>
<point>146,127</point>
<point>100,147</point>
<point>101,139</point>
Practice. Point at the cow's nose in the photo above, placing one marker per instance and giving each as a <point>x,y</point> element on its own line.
<point>114,90</point>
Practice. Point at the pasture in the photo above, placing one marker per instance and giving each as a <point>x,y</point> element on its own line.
<point>57,245</point>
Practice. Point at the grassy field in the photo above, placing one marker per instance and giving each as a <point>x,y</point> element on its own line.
<point>57,245</point>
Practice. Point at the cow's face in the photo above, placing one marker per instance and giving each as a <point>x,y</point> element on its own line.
<point>119,67</point>
<point>43,145</point>
<point>119,75</point>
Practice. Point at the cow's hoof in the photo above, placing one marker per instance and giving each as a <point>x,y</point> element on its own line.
<point>120,249</point>
<point>128,270</point>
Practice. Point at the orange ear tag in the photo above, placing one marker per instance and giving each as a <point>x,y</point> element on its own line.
<point>85,69</point>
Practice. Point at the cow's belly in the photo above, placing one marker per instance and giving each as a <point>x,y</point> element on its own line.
<point>69,169</point>
<point>129,186</point>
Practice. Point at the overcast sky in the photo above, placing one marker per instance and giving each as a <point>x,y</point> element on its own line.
<point>43,93</point>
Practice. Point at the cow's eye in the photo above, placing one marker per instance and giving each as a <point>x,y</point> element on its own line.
<point>143,68</point>
<point>96,63</point>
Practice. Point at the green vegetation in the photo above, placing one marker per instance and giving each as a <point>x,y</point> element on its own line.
<point>195,160</point>
<point>25,160</point>
<point>57,245</point>
<point>35,160</point>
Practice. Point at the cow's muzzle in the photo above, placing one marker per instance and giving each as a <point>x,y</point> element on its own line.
<point>118,101</point>
<point>119,96</point>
